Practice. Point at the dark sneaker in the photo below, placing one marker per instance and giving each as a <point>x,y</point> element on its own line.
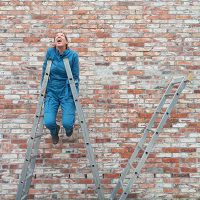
<point>57,129</point>
<point>55,138</point>
<point>68,134</point>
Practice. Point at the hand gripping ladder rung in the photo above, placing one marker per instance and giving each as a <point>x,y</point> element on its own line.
<point>33,142</point>
<point>133,177</point>
<point>84,128</point>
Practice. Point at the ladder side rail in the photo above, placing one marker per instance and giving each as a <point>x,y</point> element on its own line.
<point>141,142</point>
<point>150,146</point>
<point>39,106</point>
<point>41,98</point>
<point>33,132</point>
<point>33,159</point>
<point>80,115</point>
<point>84,128</point>
<point>151,122</point>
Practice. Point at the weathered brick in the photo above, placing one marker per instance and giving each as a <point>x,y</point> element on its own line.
<point>171,160</point>
<point>185,169</point>
<point>129,51</point>
<point>31,39</point>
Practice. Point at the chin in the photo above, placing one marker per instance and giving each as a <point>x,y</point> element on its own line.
<point>60,45</point>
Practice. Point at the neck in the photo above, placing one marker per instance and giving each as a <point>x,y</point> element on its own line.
<point>61,49</point>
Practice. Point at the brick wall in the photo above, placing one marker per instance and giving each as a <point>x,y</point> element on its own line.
<point>129,51</point>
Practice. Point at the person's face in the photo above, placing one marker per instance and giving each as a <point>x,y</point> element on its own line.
<point>60,40</point>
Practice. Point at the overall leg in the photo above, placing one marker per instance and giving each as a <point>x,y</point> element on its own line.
<point>51,106</point>
<point>68,115</point>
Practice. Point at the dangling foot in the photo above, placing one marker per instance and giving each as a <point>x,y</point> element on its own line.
<point>68,134</point>
<point>55,138</point>
<point>74,136</point>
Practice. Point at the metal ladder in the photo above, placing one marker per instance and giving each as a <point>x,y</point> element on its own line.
<point>37,133</point>
<point>132,171</point>
<point>84,128</point>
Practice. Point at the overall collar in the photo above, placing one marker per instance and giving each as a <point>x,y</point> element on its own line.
<point>65,53</point>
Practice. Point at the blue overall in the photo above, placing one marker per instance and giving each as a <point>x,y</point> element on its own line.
<point>58,92</point>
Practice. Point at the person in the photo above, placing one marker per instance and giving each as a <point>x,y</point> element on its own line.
<point>58,91</point>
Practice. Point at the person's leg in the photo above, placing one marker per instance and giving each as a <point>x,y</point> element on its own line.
<point>51,106</point>
<point>68,115</point>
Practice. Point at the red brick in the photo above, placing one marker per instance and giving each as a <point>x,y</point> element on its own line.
<point>111,87</point>
<point>132,195</point>
<point>171,170</point>
<point>47,181</point>
<point>171,150</point>
<point>111,176</point>
<point>170,190</point>
<point>179,115</point>
<point>129,125</point>
<point>184,63</point>
<point>188,160</point>
<point>185,175</point>
<point>188,149</point>
<point>138,44</point>
<point>19,141</point>
<point>136,72</point>
<point>102,140</point>
<point>161,17</point>
<point>196,91</point>
<point>39,17</point>
<point>186,169</point>
<point>77,155</point>
<point>31,40</point>
<point>181,196</point>
<point>171,160</point>
<point>80,12</point>
<point>102,34</point>
<point>125,155</point>
<point>128,58</point>
<point>145,115</point>
<point>136,91</point>
<point>119,150</point>
<point>85,181</point>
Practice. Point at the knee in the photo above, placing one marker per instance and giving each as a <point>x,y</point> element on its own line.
<point>50,124</point>
<point>68,124</point>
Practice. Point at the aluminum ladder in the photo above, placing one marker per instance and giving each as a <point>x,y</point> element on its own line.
<point>178,85</point>
<point>37,133</point>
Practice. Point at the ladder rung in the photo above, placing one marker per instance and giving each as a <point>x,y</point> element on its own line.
<point>160,112</point>
<point>39,115</point>
<point>150,130</point>
<point>170,94</point>
<point>99,187</point>
<point>28,177</point>
<point>24,197</point>
<point>37,136</point>
<point>33,156</point>
<point>41,94</point>
<point>140,148</point>
<point>131,165</point>
<point>178,80</point>
<point>167,113</point>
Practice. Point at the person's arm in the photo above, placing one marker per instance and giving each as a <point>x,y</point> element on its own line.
<point>75,71</point>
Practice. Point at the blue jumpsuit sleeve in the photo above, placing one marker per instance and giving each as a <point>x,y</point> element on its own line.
<point>75,70</point>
